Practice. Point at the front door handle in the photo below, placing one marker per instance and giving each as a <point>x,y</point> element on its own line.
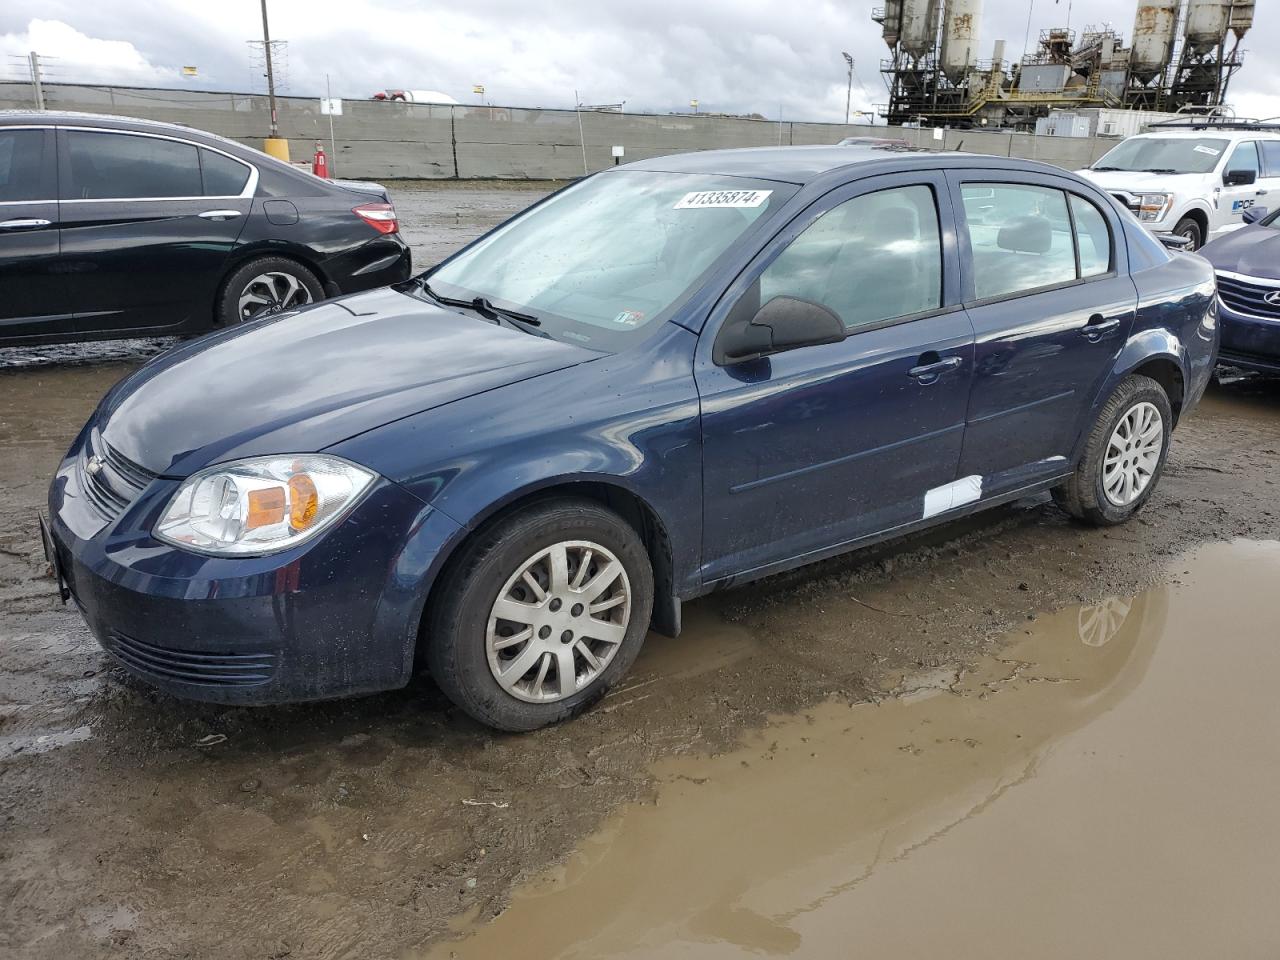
<point>24,224</point>
<point>1099,326</point>
<point>219,214</point>
<point>930,367</point>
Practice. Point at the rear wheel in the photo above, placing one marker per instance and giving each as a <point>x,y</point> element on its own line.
<point>265,286</point>
<point>540,615</point>
<point>1124,455</point>
<point>1189,227</point>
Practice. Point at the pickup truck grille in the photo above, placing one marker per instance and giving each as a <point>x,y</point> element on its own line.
<point>1129,200</point>
<point>1247,296</point>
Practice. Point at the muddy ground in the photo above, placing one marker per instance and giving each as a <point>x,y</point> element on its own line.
<point>134,825</point>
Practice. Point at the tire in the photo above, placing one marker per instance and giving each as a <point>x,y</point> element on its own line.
<point>463,628</point>
<point>1189,227</point>
<point>1085,494</point>
<point>292,284</point>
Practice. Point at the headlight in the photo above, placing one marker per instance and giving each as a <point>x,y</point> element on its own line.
<point>1153,206</point>
<point>262,504</point>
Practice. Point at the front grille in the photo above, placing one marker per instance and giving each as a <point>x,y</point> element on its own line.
<point>192,666</point>
<point>115,481</point>
<point>1130,201</point>
<point>1249,296</point>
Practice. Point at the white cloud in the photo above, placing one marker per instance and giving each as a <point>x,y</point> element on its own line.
<point>75,56</point>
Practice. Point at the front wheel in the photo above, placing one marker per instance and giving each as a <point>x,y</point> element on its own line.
<point>540,615</point>
<point>1189,227</point>
<point>1123,457</point>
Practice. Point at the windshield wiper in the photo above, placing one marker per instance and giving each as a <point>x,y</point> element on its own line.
<point>1159,170</point>
<point>487,309</point>
<point>1104,168</point>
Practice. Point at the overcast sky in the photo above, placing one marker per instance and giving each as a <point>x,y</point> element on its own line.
<point>736,56</point>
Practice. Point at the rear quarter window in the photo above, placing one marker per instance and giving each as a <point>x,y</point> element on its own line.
<point>223,176</point>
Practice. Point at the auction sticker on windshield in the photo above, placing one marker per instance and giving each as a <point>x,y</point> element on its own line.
<point>722,198</point>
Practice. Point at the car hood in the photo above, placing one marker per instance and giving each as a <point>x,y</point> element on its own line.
<point>306,380</point>
<point>1132,181</point>
<point>1252,250</point>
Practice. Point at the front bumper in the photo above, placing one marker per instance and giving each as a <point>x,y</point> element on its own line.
<point>334,617</point>
<point>1252,343</point>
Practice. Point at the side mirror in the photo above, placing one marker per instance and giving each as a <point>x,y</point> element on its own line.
<point>1174,241</point>
<point>1239,178</point>
<point>1254,214</point>
<point>784,323</point>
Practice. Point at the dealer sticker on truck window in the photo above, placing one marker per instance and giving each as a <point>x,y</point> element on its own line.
<point>722,198</point>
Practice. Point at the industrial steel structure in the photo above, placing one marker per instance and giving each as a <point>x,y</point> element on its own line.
<point>1181,57</point>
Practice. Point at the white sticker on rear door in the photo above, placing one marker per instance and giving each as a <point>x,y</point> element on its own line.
<point>722,198</point>
<point>1209,150</point>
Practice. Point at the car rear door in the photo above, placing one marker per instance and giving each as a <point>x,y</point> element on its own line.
<point>148,223</point>
<point>1047,288</point>
<point>34,300</point>
<point>808,450</point>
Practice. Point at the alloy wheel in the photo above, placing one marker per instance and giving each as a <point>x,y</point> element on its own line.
<point>1133,453</point>
<point>558,621</point>
<point>272,293</point>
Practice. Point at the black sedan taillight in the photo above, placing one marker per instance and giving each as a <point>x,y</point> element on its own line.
<point>380,216</point>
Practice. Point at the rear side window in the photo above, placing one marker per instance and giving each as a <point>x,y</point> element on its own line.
<point>22,165</point>
<point>1020,236</point>
<point>116,166</point>
<point>223,177</point>
<point>872,258</point>
<point>1270,157</point>
<point>1093,238</point>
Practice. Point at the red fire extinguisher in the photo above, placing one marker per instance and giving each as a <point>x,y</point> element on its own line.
<point>320,163</point>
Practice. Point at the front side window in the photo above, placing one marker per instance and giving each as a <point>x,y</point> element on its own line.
<point>1020,236</point>
<point>117,166</point>
<point>22,165</point>
<point>223,177</point>
<point>605,259</point>
<point>873,258</point>
<point>1165,155</point>
<point>1244,157</point>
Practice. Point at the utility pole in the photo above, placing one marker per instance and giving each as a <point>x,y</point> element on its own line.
<point>848,93</point>
<point>37,88</point>
<point>271,80</point>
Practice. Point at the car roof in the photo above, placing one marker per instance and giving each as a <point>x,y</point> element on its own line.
<point>800,165</point>
<point>1219,133</point>
<point>107,121</point>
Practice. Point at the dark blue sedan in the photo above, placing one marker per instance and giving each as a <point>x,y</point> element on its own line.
<point>1247,262</point>
<point>668,378</point>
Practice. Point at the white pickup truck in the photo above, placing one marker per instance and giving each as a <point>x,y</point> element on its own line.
<point>1193,178</point>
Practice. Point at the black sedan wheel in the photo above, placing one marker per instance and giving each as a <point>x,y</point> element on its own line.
<point>540,615</point>
<point>264,286</point>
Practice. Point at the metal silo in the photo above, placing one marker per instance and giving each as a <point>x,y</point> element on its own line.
<point>960,38</point>
<point>1241,17</point>
<point>1206,24</point>
<point>1153,31</point>
<point>892,22</point>
<point>919,27</point>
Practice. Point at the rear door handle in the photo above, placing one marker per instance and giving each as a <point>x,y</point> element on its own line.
<point>1099,326</point>
<point>219,214</point>
<point>931,369</point>
<point>25,224</point>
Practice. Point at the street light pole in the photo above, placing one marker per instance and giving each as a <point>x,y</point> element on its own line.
<point>848,93</point>
<point>271,80</point>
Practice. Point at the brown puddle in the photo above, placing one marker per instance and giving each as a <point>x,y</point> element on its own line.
<point>1104,786</point>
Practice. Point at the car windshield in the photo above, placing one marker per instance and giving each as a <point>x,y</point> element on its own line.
<point>604,260</point>
<point>1164,155</point>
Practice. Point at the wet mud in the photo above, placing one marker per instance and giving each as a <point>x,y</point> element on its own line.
<point>135,825</point>
<point>1099,785</point>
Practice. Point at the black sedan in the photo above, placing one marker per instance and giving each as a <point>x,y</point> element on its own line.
<point>111,227</point>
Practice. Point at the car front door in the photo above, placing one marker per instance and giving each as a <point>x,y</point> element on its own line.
<point>1236,198</point>
<point>148,223</point>
<point>33,296</point>
<point>811,449</point>
<point>1048,290</point>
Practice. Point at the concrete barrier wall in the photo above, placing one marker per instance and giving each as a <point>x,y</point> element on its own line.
<point>384,140</point>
